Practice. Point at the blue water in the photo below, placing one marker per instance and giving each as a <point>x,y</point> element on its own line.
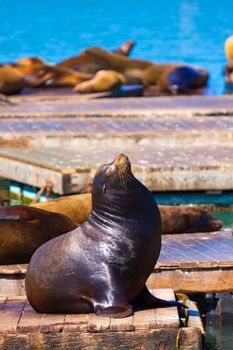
<point>190,31</point>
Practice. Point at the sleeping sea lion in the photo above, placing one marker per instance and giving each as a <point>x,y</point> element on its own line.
<point>175,78</point>
<point>85,63</point>
<point>39,73</point>
<point>103,80</point>
<point>175,218</point>
<point>170,78</point>
<point>23,229</point>
<point>103,265</point>
<point>11,80</point>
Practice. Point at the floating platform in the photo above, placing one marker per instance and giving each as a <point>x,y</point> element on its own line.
<point>188,263</point>
<point>159,168</point>
<point>21,327</point>
<point>195,263</point>
<point>80,120</point>
<point>57,102</point>
<point>175,143</point>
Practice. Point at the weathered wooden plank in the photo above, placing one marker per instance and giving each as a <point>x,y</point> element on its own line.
<point>196,280</point>
<point>145,320</point>
<point>30,320</point>
<point>75,323</point>
<point>154,339</point>
<point>10,314</point>
<point>98,323</point>
<point>160,168</point>
<point>194,319</point>
<point>122,324</point>
<point>52,323</point>
<point>166,316</point>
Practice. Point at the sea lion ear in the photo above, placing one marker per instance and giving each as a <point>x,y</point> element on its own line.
<point>104,188</point>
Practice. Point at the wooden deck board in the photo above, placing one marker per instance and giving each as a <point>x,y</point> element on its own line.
<point>122,324</point>
<point>54,103</point>
<point>159,168</point>
<point>17,315</point>
<point>30,320</point>
<point>10,314</point>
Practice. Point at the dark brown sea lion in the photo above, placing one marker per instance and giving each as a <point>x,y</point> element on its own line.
<point>186,219</point>
<point>175,218</point>
<point>85,63</point>
<point>103,265</point>
<point>115,61</point>
<point>23,229</point>
<point>125,48</point>
<point>11,80</point>
<point>175,78</point>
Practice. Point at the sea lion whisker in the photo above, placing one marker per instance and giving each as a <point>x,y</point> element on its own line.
<point>123,183</point>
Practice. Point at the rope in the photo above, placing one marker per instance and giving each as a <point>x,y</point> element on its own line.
<point>47,188</point>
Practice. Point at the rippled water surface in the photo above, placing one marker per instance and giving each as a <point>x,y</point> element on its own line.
<point>174,30</point>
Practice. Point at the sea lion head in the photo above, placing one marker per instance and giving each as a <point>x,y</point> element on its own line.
<point>117,191</point>
<point>112,177</point>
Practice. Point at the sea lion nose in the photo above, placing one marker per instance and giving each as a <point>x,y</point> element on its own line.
<point>121,159</point>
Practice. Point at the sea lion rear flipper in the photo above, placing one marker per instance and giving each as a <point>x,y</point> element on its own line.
<point>111,301</point>
<point>146,300</point>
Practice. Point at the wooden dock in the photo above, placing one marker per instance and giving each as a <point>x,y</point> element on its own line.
<point>21,327</point>
<point>160,169</point>
<point>175,143</point>
<point>188,263</point>
<point>195,263</point>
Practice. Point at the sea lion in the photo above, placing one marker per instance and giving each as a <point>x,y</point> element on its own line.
<point>103,80</point>
<point>170,78</point>
<point>125,48</point>
<point>85,63</point>
<point>228,69</point>
<point>23,229</point>
<point>229,48</point>
<point>175,78</point>
<point>175,218</point>
<point>38,73</point>
<point>186,219</point>
<point>103,265</point>
<point>11,80</point>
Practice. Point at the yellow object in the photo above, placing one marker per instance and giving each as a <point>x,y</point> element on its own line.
<point>229,48</point>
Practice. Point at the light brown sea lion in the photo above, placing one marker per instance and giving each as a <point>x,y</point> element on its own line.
<point>85,63</point>
<point>23,229</point>
<point>115,61</point>
<point>229,48</point>
<point>175,219</point>
<point>171,78</point>
<point>103,265</point>
<point>228,69</point>
<point>103,80</point>
<point>11,80</point>
<point>38,73</point>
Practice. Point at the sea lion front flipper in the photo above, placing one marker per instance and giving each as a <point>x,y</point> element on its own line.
<point>146,300</point>
<point>111,301</point>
